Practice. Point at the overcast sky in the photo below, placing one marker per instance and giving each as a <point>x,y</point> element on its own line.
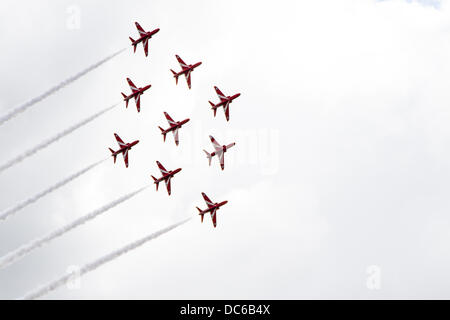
<point>338,183</point>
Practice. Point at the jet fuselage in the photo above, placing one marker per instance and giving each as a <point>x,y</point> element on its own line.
<point>128,146</point>
<point>168,175</point>
<point>147,35</point>
<point>216,206</point>
<point>229,99</point>
<point>190,68</point>
<point>178,125</point>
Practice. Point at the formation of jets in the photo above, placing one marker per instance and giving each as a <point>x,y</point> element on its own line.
<point>174,126</point>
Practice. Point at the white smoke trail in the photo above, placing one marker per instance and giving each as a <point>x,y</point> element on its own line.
<point>52,90</point>
<point>15,255</point>
<point>55,138</point>
<point>97,263</point>
<point>12,210</point>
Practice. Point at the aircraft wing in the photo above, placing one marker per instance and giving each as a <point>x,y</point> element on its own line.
<point>170,120</point>
<point>140,29</point>
<point>145,44</point>
<point>168,186</point>
<point>222,97</point>
<point>175,135</point>
<point>216,145</point>
<point>137,98</point>
<point>188,78</point>
<point>207,200</point>
<point>221,156</point>
<point>181,62</point>
<point>161,167</point>
<point>226,109</point>
<point>214,217</point>
<point>119,141</point>
<point>125,158</point>
<point>132,86</point>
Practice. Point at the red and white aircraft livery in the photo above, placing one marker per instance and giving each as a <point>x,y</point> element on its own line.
<point>220,151</point>
<point>143,37</point>
<point>135,93</point>
<point>212,208</point>
<point>174,126</point>
<point>186,69</point>
<point>123,148</point>
<point>166,176</point>
<point>224,102</point>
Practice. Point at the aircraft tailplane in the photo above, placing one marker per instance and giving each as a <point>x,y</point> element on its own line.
<point>201,215</point>
<point>208,155</point>
<point>175,75</point>
<point>132,42</point>
<point>126,100</point>
<point>164,134</point>
<point>213,107</point>
<point>113,154</point>
<point>156,182</point>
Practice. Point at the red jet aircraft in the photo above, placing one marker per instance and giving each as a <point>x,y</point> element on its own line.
<point>220,151</point>
<point>143,37</point>
<point>166,176</point>
<point>174,126</point>
<point>124,147</point>
<point>135,93</point>
<point>224,102</point>
<point>186,70</point>
<point>212,208</point>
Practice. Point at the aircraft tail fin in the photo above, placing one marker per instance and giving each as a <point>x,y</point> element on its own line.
<point>208,155</point>
<point>126,101</point>
<point>164,134</point>
<point>113,154</point>
<point>175,75</point>
<point>156,182</point>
